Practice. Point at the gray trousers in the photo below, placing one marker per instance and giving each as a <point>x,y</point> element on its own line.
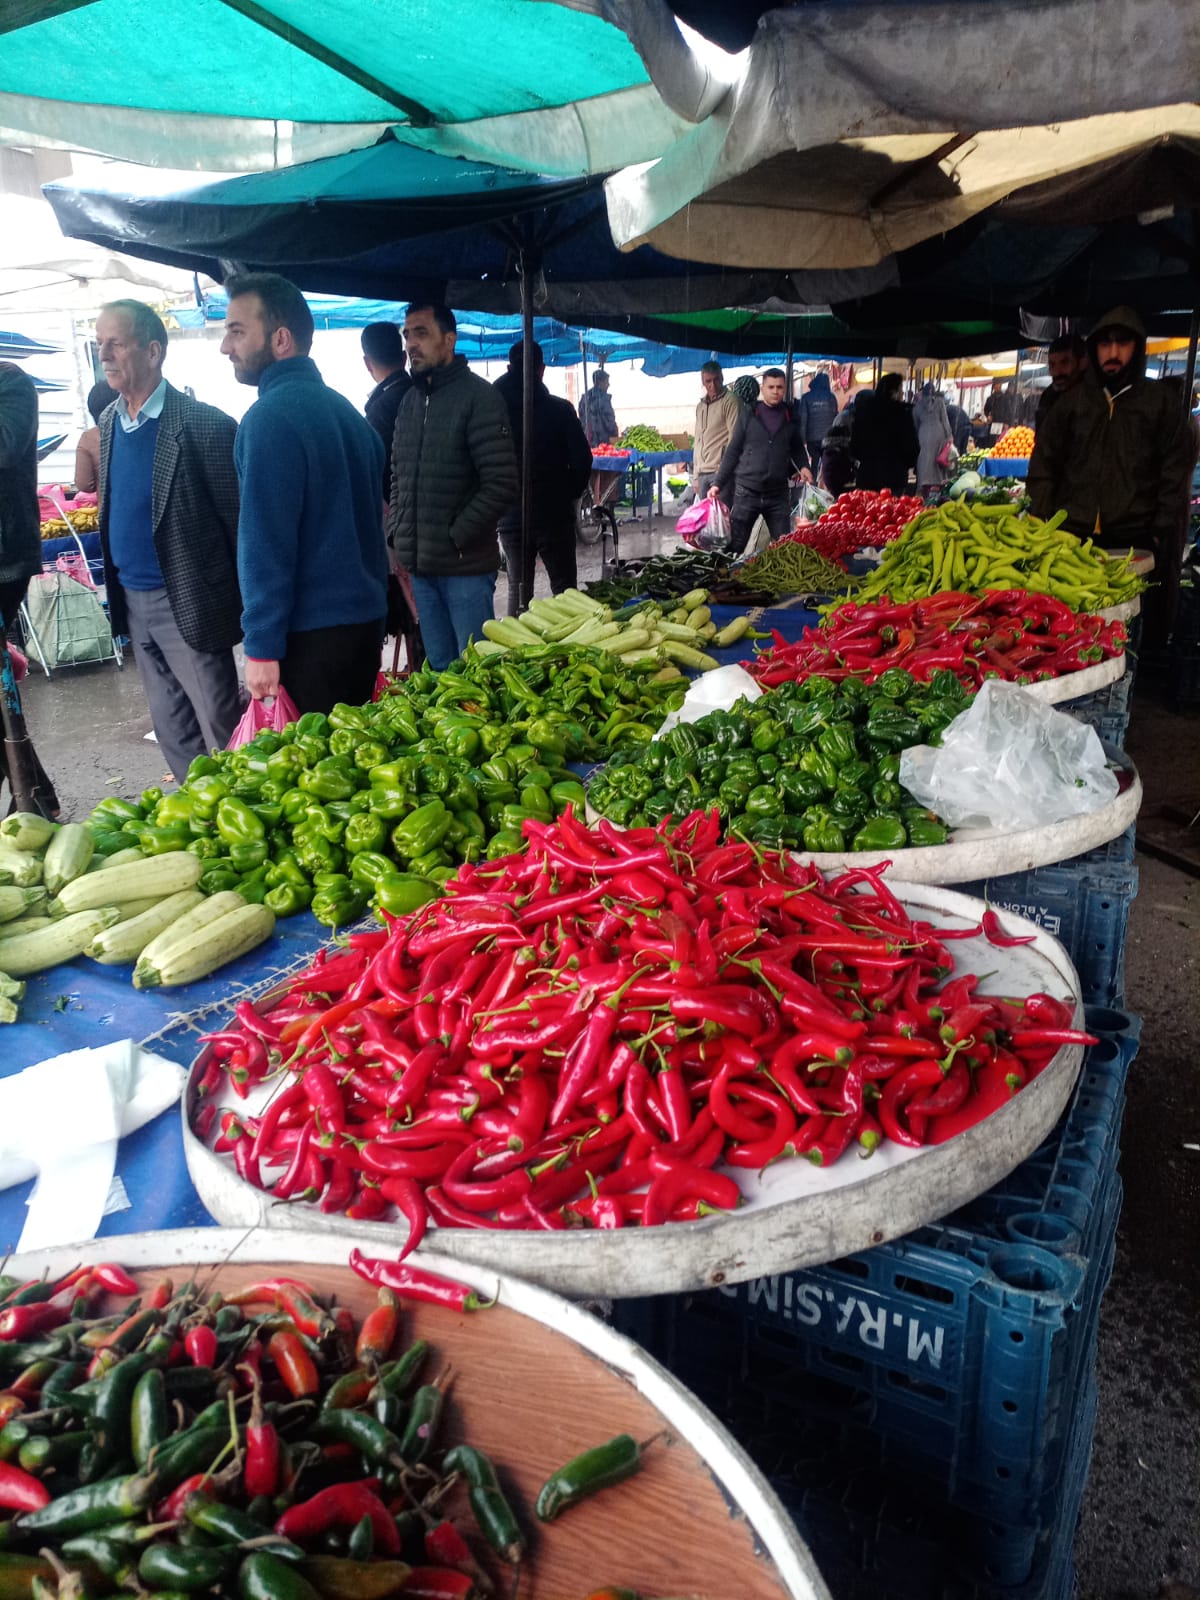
<point>194,698</point>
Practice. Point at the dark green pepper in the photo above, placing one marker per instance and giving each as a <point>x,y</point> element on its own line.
<point>824,836</point>
<point>286,899</point>
<point>764,801</point>
<point>368,866</point>
<point>338,900</point>
<point>247,857</point>
<point>766,735</point>
<point>881,833</point>
<point>221,875</point>
<point>155,841</point>
<point>237,823</point>
<point>367,831</point>
<point>333,778</point>
<point>421,830</point>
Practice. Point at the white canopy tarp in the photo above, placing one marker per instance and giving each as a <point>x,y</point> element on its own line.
<point>857,129</point>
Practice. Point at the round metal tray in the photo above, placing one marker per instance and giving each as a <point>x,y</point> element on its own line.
<point>536,1381</point>
<point>1074,685</point>
<point>794,1214</point>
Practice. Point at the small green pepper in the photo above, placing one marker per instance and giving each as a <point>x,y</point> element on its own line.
<point>286,899</point>
<point>399,893</point>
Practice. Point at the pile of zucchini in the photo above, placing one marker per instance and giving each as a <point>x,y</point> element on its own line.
<point>58,900</point>
<point>649,635</point>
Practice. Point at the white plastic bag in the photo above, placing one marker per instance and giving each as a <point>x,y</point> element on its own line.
<point>1010,761</point>
<point>811,504</point>
<point>719,690</point>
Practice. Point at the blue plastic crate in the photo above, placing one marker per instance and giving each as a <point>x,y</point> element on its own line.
<point>1085,904</point>
<point>962,1347</point>
<point>873,1532</point>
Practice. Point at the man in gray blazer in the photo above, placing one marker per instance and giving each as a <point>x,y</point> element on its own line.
<point>168,532</point>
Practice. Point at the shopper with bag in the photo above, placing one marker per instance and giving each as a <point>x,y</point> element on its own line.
<point>766,451</point>
<point>168,534</point>
<point>311,550</point>
<point>883,439</point>
<point>934,438</point>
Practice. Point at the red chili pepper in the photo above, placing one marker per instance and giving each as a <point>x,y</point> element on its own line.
<point>411,1283</point>
<point>342,1506</point>
<point>27,1321</point>
<point>898,1091</point>
<point>294,1364</point>
<point>683,1181</point>
<point>20,1491</point>
<point>201,1346</point>
<point>438,1583</point>
<point>261,1474</point>
<point>447,1547</point>
<point>378,1332</point>
<point>994,931</point>
<point>298,1302</point>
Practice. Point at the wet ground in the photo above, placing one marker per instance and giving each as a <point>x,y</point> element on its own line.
<point>1141,1516</point>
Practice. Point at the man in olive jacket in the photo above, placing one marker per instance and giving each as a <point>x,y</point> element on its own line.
<point>454,472</point>
<point>1116,453</point>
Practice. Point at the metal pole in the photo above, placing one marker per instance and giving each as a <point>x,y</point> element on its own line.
<point>583,355</point>
<point>18,750</point>
<point>790,362</point>
<point>525,582</point>
<point>1189,380</point>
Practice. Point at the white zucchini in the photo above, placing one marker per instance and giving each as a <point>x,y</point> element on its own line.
<point>119,858</point>
<point>192,922</point>
<point>68,856</point>
<point>10,930</point>
<point>137,880</point>
<point>25,830</point>
<point>19,867</point>
<point>129,937</point>
<point>17,902</point>
<point>62,941</point>
<point>186,960</point>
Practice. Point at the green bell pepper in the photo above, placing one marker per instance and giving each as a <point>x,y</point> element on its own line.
<point>246,858</point>
<point>205,847</point>
<point>460,743</point>
<point>314,852</point>
<point>886,796</point>
<point>881,833</point>
<point>461,795</point>
<point>799,790</point>
<point>148,801</point>
<point>371,753</point>
<point>824,836</point>
<point>323,821</point>
<point>507,842</point>
<point>310,747</point>
<point>568,792</point>
<point>390,801</point>
<point>178,807</point>
<point>367,831</point>
<point>339,900</point>
<point>733,794</point>
<point>764,801</point>
<point>837,742</point>
<point>820,767</point>
<point>252,886</point>
<point>111,815</point>
<point>894,684</point>
<point>430,862</point>
<point>368,866</point>
<point>766,831</point>
<point>218,877</point>
<point>156,841</point>
<point>237,823</point>
<point>286,899</point>
<point>294,806</point>
<point>744,767</point>
<point>333,778</point>
<point>767,733</point>
<point>685,740</point>
<point>285,764</point>
<point>400,892</point>
<point>421,830</point>
<point>312,723</point>
<point>201,767</point>
<point>924,828</point>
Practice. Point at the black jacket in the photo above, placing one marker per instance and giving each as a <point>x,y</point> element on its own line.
<point>884,443</point>
<point>383,403</point>
<point>560,460</point>
<point>453,474</point>
<point>1118,461</point>
<point>20,531</point>
<point>817,412</point>
<point>760,461</point>
<point>194,510</point>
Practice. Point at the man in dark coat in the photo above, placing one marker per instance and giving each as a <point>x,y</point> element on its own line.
<point>766,451</point>
<point>168,533</point>
<point>596,412</point>
<point>817,413</point>
<point>20,534</point>
<point>1067,362</point>
<point>884,437</point>
<point>1116,454</point>
<point>560,462</point>
<point>384,359</point>
<point>453,473</point>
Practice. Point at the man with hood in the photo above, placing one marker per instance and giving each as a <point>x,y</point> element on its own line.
<point>817,414</point>
<point>1116,454</point>
<point>560,464</point>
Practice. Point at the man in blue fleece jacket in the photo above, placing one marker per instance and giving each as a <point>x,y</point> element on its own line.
<point>312,560</point>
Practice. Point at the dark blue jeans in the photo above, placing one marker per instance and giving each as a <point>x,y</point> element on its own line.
<point>452,612</point>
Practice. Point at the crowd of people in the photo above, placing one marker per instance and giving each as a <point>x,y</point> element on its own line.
<point>309,529</point>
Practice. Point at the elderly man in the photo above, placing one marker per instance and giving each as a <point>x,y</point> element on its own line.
<point>310,550</point>
<point>716,418</point>
<point>168,533</point>
<point>454,473</point>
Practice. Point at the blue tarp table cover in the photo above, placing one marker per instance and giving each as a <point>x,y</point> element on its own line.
<point>84,1004</point>
<point>1005,467</point>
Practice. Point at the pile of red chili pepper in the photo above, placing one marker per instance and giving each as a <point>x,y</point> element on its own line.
<point>255,1443</point>
<point>1006,633</point>
<point>580,1035</point>
<point>859,518</point>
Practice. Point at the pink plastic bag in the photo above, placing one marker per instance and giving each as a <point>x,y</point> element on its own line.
<point>705,526</point>
<point>259,715</point>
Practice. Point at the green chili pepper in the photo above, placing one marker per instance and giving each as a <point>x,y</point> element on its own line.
<point>492,1511</point>
<point>423,1418</point>
<point>149,1419</point>
<point>606,1465</point>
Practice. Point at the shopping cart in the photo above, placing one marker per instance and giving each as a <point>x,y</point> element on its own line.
<point>63,618</point>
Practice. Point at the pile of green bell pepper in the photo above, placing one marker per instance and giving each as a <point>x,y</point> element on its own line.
<point>813,765</point>
<point>373,804</point>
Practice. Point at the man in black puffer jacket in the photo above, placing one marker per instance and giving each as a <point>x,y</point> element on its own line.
<point>453,473</point>
<point>767,448</point>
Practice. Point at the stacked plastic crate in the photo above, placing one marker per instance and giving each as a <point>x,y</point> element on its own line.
<point>926,1409</point>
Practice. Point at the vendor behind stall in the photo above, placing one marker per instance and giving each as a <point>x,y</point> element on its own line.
<point>1116,453</point>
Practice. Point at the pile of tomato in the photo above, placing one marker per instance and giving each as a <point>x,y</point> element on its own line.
<point>859,518</point>
<point>611,450</point>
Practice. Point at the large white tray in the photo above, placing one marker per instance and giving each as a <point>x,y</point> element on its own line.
<point>1073,685</point>
<point>536,1381</point>
<point>795,1214</point>
<point>971,854</point>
